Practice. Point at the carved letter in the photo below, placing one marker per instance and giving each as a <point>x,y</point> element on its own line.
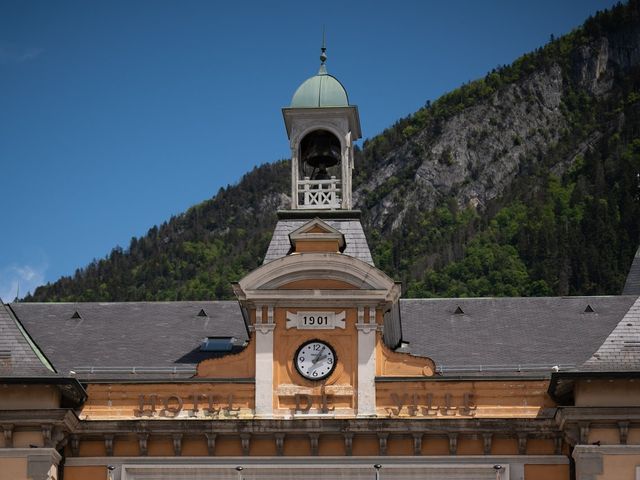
<point>413,408</point>
<point>448,408</point>
<point>300,397</point>
<point>325,403</point>
<point>144,412</point>
<point>469,406</point>
<point>196,403</point>
<point>400,402</point>
<point>169,411</point>
<point>429,409</point>
<point>229,410</point>
<point>211,411</point>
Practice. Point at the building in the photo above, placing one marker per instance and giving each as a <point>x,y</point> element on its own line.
<point>320,370</point>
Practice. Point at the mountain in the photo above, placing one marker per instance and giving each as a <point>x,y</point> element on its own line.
<point>524,182</point>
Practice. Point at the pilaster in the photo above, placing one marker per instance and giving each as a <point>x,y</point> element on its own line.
<point>366,362</point>
<point>264,328</point>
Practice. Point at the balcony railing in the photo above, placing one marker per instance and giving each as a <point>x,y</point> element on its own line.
<point>319,194</point>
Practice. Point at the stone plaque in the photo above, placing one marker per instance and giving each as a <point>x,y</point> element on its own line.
<point>316,320</point>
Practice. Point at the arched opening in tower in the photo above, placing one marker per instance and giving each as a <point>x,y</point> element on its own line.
<point>320,153</point>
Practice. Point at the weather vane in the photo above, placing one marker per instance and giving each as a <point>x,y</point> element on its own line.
<point>323,49</point>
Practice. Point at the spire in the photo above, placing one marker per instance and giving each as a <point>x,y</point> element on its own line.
<point>323,56</point>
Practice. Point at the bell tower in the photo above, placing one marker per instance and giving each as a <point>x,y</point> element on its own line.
<point>320,312</point>
<point>321,126</point>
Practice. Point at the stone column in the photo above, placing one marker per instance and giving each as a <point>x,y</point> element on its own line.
<point>294,177</point>
<point>264,363</point>
<point>366,363</point>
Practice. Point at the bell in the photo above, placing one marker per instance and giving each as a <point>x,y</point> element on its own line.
<point>320,150</point>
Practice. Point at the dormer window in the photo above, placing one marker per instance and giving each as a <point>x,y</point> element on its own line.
<point>218,344</point>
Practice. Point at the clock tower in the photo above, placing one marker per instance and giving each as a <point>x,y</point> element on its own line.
<point>324,319</point>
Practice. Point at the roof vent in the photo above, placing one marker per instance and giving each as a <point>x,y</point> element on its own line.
<point>589,309</point>
<point>459,311</point>
<point>76,315</point>
<point>202,313</point>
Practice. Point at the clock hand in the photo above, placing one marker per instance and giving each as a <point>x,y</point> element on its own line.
<point>316,359</point>
<point>316,365</point>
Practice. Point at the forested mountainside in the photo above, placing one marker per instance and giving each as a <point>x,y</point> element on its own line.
<point>524,182</point>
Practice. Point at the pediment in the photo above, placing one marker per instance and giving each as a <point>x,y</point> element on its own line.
<point>318,236</point>
<point>317,271</point>
<point>315,226</point>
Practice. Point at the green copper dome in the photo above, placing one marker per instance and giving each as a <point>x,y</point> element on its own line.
<point>321,90</point>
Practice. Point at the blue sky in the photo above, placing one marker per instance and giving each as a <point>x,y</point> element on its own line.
<point>115,115</point>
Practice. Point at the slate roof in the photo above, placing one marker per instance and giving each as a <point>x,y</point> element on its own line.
<point>620,352</point>
<point>510,335</point>
<point>491,336</point>
<point>355,239</point>
<point>157,338</point>
<point>19,356</point>
<point>632,285</point>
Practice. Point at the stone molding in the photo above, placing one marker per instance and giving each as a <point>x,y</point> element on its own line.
<point>328,460</point>
<point>264,328</point>
<point>269,277</point>
<point>606,450</point>
<point>576,422</point>
<point>368,327</point>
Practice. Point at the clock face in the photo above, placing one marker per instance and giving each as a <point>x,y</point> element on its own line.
<point>315,360</point>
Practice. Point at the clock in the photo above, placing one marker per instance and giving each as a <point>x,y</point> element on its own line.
<point>315,360</point>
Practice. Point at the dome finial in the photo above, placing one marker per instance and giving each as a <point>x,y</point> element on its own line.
<point>323,55</point>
